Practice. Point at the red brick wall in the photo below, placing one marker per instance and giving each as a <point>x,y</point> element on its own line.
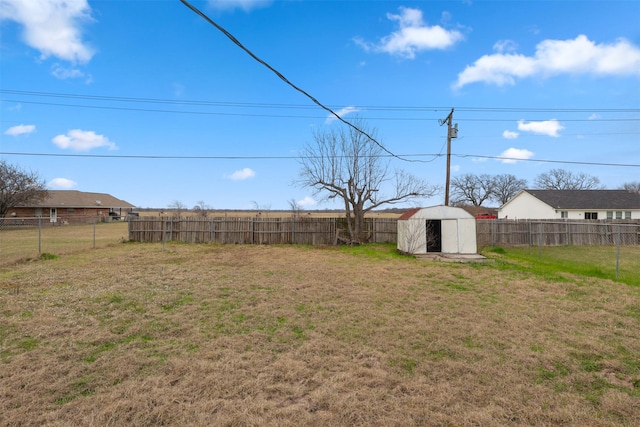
<point>75,215</point>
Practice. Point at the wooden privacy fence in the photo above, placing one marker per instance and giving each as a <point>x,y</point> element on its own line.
<point>327,231</point>
<point>556,233</point>
<point>294,230</point>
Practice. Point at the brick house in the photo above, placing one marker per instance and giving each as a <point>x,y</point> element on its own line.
<point>72,206</point>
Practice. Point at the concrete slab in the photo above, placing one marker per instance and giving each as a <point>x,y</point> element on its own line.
<point>436,256</point>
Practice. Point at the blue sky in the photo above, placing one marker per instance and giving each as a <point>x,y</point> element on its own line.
<point>147,101</point>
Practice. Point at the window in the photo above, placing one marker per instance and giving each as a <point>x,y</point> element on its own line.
<point>609,215</point>
<point>564,214</point>
<point>591,215</point>
<point>618,215</point>
<point>38,212</point>
<point>71,210</point>
<point>627,215</point>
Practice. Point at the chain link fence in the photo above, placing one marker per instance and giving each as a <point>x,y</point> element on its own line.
<point>604,243</point>
<point>25,238</point>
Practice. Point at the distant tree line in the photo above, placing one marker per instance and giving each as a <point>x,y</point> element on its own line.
<point>471,189</point>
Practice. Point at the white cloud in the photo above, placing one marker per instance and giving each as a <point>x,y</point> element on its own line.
<point>505,46</point>
<point>53,27</point>
<point>241,174</point>
<point>412,36</point>
<point>342,112</point>
<point>245,5</point>
<point>307,202</point>
<point>61,184</point>
<point>546,127</point>
<point>594,116</point>
<point>82,140</point>
<point>553,57</point>
<point>20,130</point>
<point>507,134</point>
<point>63,73</point>
<point>513,155</point>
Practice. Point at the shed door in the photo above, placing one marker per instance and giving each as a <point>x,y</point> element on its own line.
<point>450,236</point>
<point>434,235</point>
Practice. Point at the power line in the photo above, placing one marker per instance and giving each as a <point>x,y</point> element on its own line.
<point>467,136</point>
<point>200,157</point>
<point>155,110</point>
<point>434,109</point>
<point>284,79</point>
<point>154,100</point>
<point>568,162</point>
<point>149,156</point>
<point>218,113</point>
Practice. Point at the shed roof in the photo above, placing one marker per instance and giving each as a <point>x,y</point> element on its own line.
<point>436,212</point>
<point>588,199</point>
<point>408,214</point>
<point>80,199</point>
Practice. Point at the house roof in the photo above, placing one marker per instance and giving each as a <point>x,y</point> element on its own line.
<point>80,199</point>
<point>588,199</point>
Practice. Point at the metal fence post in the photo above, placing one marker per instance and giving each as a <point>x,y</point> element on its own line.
<point>618,252</point>
<point>94,233</point>
<point>39,235</point>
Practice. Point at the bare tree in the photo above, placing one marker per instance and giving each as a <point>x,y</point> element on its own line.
<point>202,209</point>
<point>347,165</point>
<point>474,189</point>
<point>19,187</point>
<point>632,187</point>
<point>295,207</point>
<point>506,186</point>
<point>177,206</point>
<point>561,179</point>
<point>261,208</point>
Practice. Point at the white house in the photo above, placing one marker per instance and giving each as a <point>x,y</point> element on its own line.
<point>437,229</point>
<point>572,204</point>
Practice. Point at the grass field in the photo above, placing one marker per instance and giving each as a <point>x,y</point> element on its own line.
<point>590,261</point>
<point>24,243</point>
<point>128,334</point>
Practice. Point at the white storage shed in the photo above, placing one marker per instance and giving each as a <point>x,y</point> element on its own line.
<point>437,229</point>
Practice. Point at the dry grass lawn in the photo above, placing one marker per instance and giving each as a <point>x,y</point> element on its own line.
<point>23,243</point>
<point>287,335</point>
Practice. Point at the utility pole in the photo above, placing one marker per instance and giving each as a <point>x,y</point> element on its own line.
<point>452,132</point>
